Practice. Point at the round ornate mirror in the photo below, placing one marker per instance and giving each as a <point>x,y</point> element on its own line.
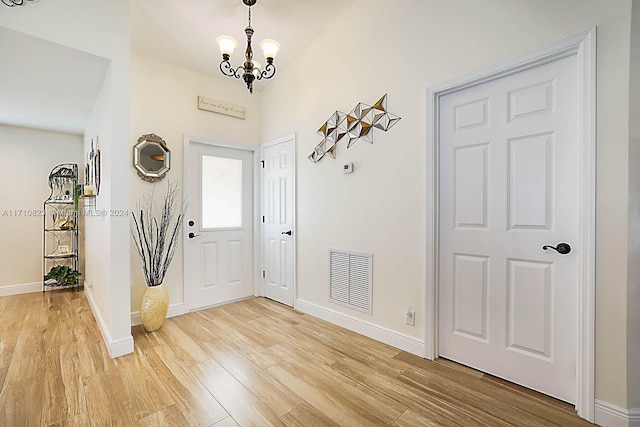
<point>151,157</point>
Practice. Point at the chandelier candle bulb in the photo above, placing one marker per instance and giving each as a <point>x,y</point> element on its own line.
<point>270,48</point>
<point>227,45</point>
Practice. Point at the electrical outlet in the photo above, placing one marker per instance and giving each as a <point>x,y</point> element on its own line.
<point>410,316</point>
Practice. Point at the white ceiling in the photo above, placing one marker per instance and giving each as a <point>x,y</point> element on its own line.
<point>184,32</point>
<point>47,85</point>
<point>53,87</point>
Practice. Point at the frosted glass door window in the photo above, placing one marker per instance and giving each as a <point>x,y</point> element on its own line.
<point>221,192</point>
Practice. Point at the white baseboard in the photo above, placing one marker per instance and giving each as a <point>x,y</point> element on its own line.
<point>396,339</point>
<point>116,348</point>
<point>121,347</point>
<point>608,415</point>
<point>174,310</point>
<point>27,288</point>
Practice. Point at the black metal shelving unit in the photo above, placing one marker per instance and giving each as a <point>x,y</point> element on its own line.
<point>60,224</point>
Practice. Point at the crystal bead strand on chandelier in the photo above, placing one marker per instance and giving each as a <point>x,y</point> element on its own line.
<point>250,70</point>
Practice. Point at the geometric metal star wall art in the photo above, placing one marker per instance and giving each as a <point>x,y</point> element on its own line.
<point>358,124</point>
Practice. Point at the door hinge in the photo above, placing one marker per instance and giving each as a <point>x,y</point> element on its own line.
<point>262,162</point>
<point>264,274</point>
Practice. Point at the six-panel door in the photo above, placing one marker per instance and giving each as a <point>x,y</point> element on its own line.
<point>278,209</point>
<point>509,170</point>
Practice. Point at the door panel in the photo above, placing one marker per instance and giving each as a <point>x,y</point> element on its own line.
<point>509,184</point>
<point>531,181</point>
<point>470,191</point>
<point>470,285</point>
<point>530,321</point>
<point>210,264</point>
<point>278,206</point>
<point>220,253</point>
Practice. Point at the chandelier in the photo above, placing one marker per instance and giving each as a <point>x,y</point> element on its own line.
<point>251,69</point>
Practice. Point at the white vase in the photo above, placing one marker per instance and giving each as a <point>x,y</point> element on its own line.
<point>154,307</point>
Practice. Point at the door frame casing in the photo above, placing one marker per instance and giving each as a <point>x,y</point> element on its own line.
<point>270,143</point>
<point>583,45</point>
<point>187,297</point>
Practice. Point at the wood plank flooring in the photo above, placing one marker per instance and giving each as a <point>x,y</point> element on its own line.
<point>251,363</point>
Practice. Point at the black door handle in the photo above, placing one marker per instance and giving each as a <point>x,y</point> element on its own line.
<point>562,248</point>
<point>288,232</point>
<point>192,235</point>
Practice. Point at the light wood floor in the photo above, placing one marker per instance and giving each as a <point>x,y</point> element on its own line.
<point>252,363</point>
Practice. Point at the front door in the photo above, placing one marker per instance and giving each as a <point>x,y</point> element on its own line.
<point>278,193</point>
<point>219,225</point>
<point>509,186</point>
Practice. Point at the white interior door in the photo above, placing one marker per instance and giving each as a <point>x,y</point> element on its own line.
<point>218,225</point>
<point>278,203</point>
<point>509,184</point>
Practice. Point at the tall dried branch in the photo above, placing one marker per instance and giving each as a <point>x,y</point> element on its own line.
<point>156,234</point>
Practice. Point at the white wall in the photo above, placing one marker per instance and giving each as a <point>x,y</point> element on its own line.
<point>633,295</point>
<point>164,102</point>
<point>103,29</point>
<point>97,235</point>
<point>28,156</point>
<point>401,48</point>
<point>611,206</point>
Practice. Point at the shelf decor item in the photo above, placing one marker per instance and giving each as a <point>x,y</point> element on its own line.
<point>60,229</point>
<point>156,233</point>
<point>62,275</point>
<point>77,191</point>
<point>65,223</point>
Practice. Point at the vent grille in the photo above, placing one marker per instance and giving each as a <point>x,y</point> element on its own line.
<point>350,279</point>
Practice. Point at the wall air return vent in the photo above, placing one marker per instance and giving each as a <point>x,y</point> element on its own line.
<point>350,279</point>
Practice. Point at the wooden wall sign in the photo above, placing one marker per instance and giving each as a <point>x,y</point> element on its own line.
<point>221,107</point>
